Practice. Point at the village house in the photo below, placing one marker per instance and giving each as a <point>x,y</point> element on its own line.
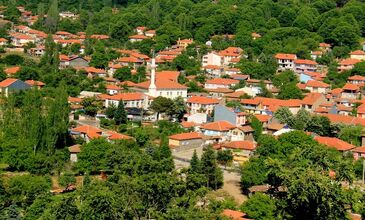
<point>317,87</point>
<point>186,140</point>
<point>35,84</point>
<point>213,70</point>
<point>239,148</point>
<point>200,104</point>
<point>150,33</point>
<point>356,79</point>
<point>306,76</point>
<point>94,72</point>
<point>21,40</point>
<point>74,150</point>
<point>211,59</point>
<point>242,133</point>
<point>230,53</point>
<point>218,130</point>
<point>347,64</point>
<point>350,91</point>
<point>75,61</point>
<point>68,15</point>
<point>233,116</point>
<point>137,38</point>
<point>130,62</point>
<point>301,65</point>
<point>10,85</point>
<point>140,30</point>
<point>220,83</point>
<point>184,43</point>
<point>113,89</point>
<point>285,61</point>
<point>344,119</point>
<point>312,101</point>
<point>130,100</point>
<point>3,41</point>
<point>325,47</point>
<point>357,55</point>
<point>358,152</point>
<point>316,54</point>
<point>37,51</point>
<point>89,133</point>
<point>11,71</point>
<point>267,106</point>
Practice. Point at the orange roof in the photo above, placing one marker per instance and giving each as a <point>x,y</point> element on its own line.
<point>202,100</point>
<point>12,70</point>
<point>317,52</point>
<point>187,124</point>
<point>263,118</point>
<point>222,81</point>
<point>307,62</point>
<point>242,145</point>
<point>317,84</point>
<point>138,37</point>
<point>161,84</point>
<point>90,131</point>
<point>219,90</point>
<point>7,82</point>
<point>127,96</point>
<point>310,98</point>
<point>188,41</point>
<point>63,33</point>
<point>3,40</point>
<point>34,83</point>
<point>234,215</point>
<point>128,83</point>
<point>334,118</point>
<point>117,136</point>
<point>129,60</point>
<point>357,52</point>
<point>336,91</point>
<point>214,67</point>
<point>321,110</point>
<point>357,78</point>
<point>186,136</point>
<point>236,94</point>
<point>272,102</point>
<point>324,45</point>
<point>340,145</point>
<point>218,126</point>
<point>170,75</point>
<point>301,86</point>
<point>231,51</point>
<point>285,56</point>
<point>99,36</point>
<point>349,61</point>
<point>74,99</point>
<point>94,70</point>
<point>75,148</point>
<point>351,87</point>
<point>359,149</point>
<point>112,87</point>
<point>361,109</point>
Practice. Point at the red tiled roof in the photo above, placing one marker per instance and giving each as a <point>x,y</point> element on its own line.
<point>346,62</point>
<point>74,99</point>
<point>218,126</point>
<point>263,118</point>
<point>351,87</point>
<point>90,131</point>
<point>234,215</point>
<point>359,149</point>
<point>117,136</point>
<point>202,100</point>
<point>138,37</point>
<point>186,136</point>
<point>170,75</point>
<point>324,45</point>
<point>75,148</point>
<point>112,87</point>
<point>317,84</point>
<point>12,70</point>
<point>334,118</point>
<point>242,145</point>
<point>186,124</point>
<point>307,62</point>
<point>214,67</point>
<point>7,82</point>
<point>285,56</point>
<point>161,84</point>
<point>34,83</point>
<point>357,78</point>
<point>340,145</point>
<point>361,109</point>
<point>357,52</point>
<point>127,96</point>
<point>129,60</point>
<point>222,81</point>
<point>310,98</point>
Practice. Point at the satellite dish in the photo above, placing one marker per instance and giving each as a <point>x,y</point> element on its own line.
<point>208,43</point>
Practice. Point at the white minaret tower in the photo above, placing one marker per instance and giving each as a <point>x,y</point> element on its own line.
<point>152,90</point>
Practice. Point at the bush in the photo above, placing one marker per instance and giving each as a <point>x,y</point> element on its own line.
<point>13,59</point>
<point>66,179</point>
<point>106,122</point>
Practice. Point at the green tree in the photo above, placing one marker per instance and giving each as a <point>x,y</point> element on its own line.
<point>257,127</point>
<point>66,179</point>
<point>301,119</point>
<point>210,169</point>
<point>11,13</point>
<point>13,59</point>
<point>285,116</point>
<point>52,17</point>
<point>110,111</point>
<point>92,157</point>
<point>161,105</point>
<point>260,206</point>
<point>224,157</point>
<point>351,134</point>
<point>66,208</point>
<point>290,91</point>
<point>123,74</point>
<point>120,116</point>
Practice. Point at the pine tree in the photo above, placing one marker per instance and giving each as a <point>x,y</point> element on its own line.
<point>195,164</point>
<point>52,17</point>
<point>213,174</point>
<point>120,116</point>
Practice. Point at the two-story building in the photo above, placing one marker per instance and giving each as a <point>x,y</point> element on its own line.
<point>131,100</point>
<point>317,87</point>
<point>301,66</point>
<point>285,61</point>
<point>201,104</point>
<point>186,140</point>
<point>220,83</point>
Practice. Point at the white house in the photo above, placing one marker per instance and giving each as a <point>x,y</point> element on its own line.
<point>131,100</point>
<point>285,61</point>
<point>200,104</point>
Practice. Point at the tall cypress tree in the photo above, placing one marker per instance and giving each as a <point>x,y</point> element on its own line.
<point>120,116</point>
<point>52,17</point>
<point>211,170</point>
<point>195,163</point>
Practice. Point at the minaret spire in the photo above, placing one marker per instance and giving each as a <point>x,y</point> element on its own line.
<point>152,88</point>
